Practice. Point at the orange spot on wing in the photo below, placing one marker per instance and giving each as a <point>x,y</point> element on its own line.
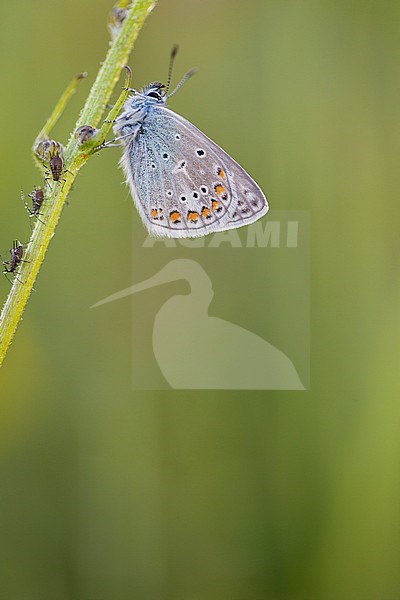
<point>216,206</point>
<point>221,173</point>
<point>219,188</point>
<point>205,211</point>
<point>193,215</point>
<point>154,213</point>
<point>174,216</point>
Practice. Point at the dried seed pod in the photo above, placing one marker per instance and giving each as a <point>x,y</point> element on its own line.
<point>84,134</point>
<point>116,18</point>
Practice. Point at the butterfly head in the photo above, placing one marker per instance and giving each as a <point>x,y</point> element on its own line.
<point>155,91</point>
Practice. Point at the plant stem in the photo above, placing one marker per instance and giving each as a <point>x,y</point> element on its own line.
<point>74,159</point>
<point>59,109</point>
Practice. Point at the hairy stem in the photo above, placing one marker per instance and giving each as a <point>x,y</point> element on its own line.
<point>124,37</point>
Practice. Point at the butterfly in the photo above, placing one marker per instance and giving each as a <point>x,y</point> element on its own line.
<point>183,183</point>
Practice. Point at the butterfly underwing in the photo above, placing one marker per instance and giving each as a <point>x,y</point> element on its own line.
<point>183,183</point>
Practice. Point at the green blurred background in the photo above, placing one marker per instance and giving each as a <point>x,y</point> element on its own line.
<point>112,494</point>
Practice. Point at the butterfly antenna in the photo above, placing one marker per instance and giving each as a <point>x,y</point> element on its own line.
<point>174,52</point>
<point>183,80</point>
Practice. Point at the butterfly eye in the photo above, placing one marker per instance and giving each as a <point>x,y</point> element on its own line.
<point>154,95</point>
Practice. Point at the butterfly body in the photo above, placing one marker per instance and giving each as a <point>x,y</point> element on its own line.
<point>183,184</point>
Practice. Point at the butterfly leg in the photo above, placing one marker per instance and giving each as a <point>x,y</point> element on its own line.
<point>113,143</point>
<point>98,141</point>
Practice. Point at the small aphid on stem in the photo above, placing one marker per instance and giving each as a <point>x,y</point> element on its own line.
<point>51,153</point>
<point>37,197</point>
<point>116,18</point>
<point>16,254</point>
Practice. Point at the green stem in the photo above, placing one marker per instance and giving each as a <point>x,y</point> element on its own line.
<point>58,109</point>
<point>74,159</point>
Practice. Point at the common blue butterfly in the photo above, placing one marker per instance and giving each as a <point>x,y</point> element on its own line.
<point>183,184</point>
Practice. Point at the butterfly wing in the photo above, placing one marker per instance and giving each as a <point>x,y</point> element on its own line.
<point>184,184</point>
